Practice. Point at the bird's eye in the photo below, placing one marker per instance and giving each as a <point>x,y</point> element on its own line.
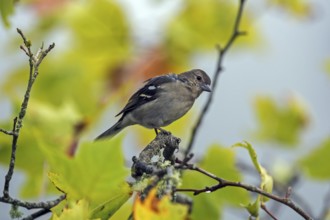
<point>199,78</point>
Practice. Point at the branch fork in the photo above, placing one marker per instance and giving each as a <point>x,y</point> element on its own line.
<point>34,62</point>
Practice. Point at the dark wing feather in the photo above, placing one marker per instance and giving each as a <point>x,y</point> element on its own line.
<point>146,93</point>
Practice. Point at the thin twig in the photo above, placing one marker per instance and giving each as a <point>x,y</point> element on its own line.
<point>34,62</point>
<point>12,161</point>
<point>6,132</point>
<point>26,42</point>
<point>37,214</point>
<point>19,120</point>
<point>222,183</point>
<point>222,51</point>
<point>263,206</point>
<point>33,205</point>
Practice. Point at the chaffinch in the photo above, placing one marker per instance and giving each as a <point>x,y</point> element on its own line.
<point>161,101</point>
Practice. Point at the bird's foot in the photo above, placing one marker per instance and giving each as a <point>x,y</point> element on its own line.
<point>162,131</point>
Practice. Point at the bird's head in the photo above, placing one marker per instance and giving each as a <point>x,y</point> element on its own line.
<point>198,80</point>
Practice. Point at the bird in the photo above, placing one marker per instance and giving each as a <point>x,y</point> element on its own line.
<point>161,101</point>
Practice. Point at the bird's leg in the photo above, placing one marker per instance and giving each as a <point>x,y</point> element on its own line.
<point>156,131</point>
<point>164,131</point>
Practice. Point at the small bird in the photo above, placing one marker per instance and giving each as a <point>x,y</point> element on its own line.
<point>161,101</point>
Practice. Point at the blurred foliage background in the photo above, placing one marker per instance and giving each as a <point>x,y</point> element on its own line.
<point>98,62</point>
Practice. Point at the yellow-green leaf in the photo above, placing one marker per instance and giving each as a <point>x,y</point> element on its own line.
<point>298,8</point>
<point>201,25</point>
<point>100,34</point>
<point>96,173</point>
<point>6,9</point>
<point>280,123</point>
<point>327,66</point>
<point>124,212</point>
<point>266,180</point>
<point>316,164</point>
<point>52,125</point>
<point>108,208</point>
<point>267,183</point>
<point>253,208</point>
<point>252,153</point>
<point>75,210</point>
<point>96,43</point>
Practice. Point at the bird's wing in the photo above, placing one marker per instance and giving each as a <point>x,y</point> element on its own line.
<point>148,92</point>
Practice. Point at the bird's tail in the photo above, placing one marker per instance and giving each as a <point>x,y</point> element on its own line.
<point>115,129</point>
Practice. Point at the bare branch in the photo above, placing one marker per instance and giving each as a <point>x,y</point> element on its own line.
<point>6,132</point>
<point>222,183</point>
<point>18,122</point>
<point>37,214</point>
<point>34,62</point>
<point>263,206</point>
<point>26,42</point>
<point>12,161</point>
<point>282,188</point>
<point>43,53</point>
<point>33,205</point>
<point>222,51</point>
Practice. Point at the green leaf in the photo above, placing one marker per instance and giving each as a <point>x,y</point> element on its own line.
<point>221,162</point>
<point>253,208</point>
<point>201,25</point>
<point>280,124</point>
<point>108,208</point>
<point>298,8</point>
<point>75,210</point>
<point>96,173</point>
<point>327,66</point>
<point>124,212</point>
<point>51,125</point>
<point>267,184</point>
<point>98,44</point>
<point>266,180</point>
<point>101,35</point>
<point>316,164</point>
<point>252,153</point>
<point>29,160</point>
<point>6,9</point>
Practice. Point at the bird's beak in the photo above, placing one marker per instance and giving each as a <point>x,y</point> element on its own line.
<point>206,88</point>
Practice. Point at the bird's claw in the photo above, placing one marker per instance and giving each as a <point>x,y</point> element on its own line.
<point>162,131</point>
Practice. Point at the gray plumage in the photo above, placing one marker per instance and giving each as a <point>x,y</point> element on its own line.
<point>161,101</point>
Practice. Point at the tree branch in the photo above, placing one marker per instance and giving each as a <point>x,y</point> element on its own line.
<point>222,51</point>
<point>281,188</point>
<point>222,183</point>
<point>33,205</point>
<point>6,132</point>
<point>34,62</point>
<point>37,214</point>
<point>263,206</point>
